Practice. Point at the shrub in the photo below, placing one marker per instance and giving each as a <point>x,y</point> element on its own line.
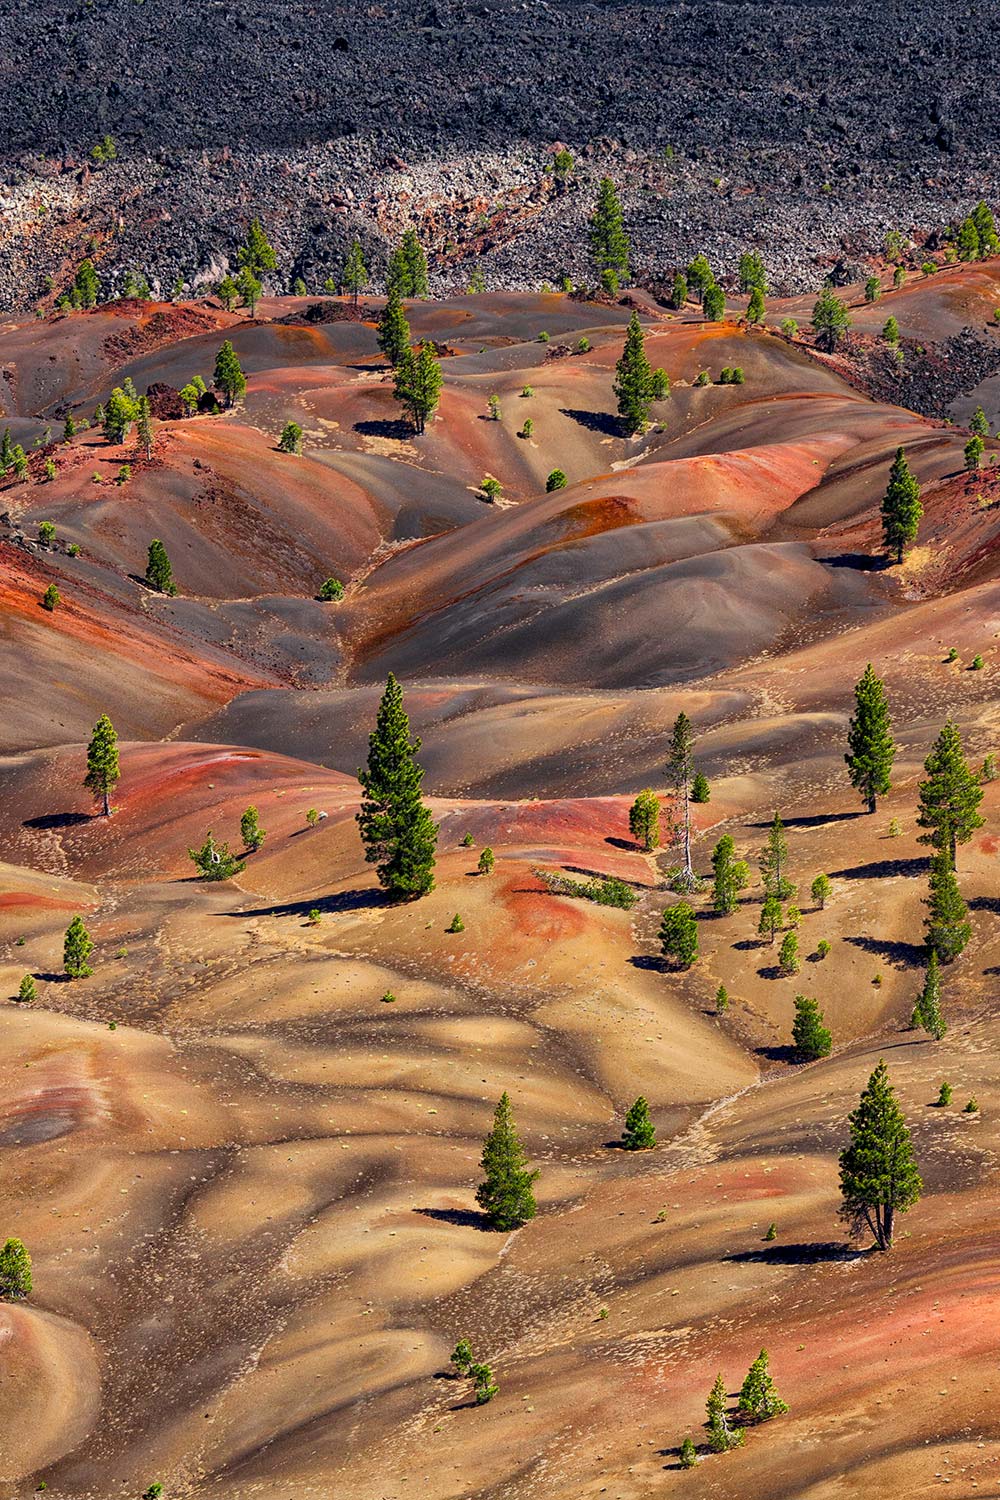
<point>312,817</point>
<point>772,1232</point>
<point>27,990</point>
<point>314,916</point>
<point>214,861</point>
<point>605,890</point>
<point>679,934</point>
<point>527,428</point>
<point>15,1271</point>
<point>977,664</point>
<point>703,378</point>
<point>388,998</point>
<point>820,890</point>
<point>583,346</point>
<point>290,440</point>
<point>952,654</point>
<point>944,1096</point>
<point>527,390</point>
<point>492,489</point>
<point>486,861</point>
<point>331,590</point>
<point>543,338</point>
<point>493,407</point>
<point>894,830</point>
<point>46,533</point>
<point>822,948</point>
<point>456,924</point>
<point>972,1108</point>
<point>788,955</point>
<point>789,327</point>
<point>556,481</point>
<point>51,598</point>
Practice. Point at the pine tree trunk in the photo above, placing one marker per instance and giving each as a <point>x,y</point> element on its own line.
<point>107,803</point>
<point>687,833</point>
<point>871,802</point>
<point>888,1215</point>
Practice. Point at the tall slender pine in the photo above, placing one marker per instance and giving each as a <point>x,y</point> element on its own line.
<point>396,828</point>
<point>870,746</point>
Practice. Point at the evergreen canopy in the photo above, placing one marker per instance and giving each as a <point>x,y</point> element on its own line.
<point>878,1175</point>
<point>396,828</point>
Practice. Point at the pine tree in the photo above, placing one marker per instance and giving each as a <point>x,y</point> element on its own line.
<point>950,797</point>
<point>639,1133</point>
<point>355,274</point>
<point>753,276</point>
<point>679,291</point>
<point>633,385</point>
<point>927,1011</point>
<point>721,1436</point>
<point>713,303</point>
<point>644,819</point>
<point>159,574</point>
<point>878,1176</point>
<point>948,930</point>
<point>27,990</point>
<point>982,218</point>
<point>119,414</point>
<point>901,507</point>
<point>215,862</point>
<point>890,330</point>
<point>15,1271</point>
<point>979,424</point>
<point>249,288</point>
<point>756,308</point>
<point>679,771</point>
<point>770,918</point>
<point>487,860</point>
<point>556,481</point>
<point>485,1386</point>
<point>416,265</point>
<point>820,890</point>
<point>759,1400</point>
<point>729,876</point>
<point>688,1454</point>
<point>462,1357</point>
<point>505,1196</point>
<point>700,789</point>
<point>251,833</point>
<point>967,241</point>
<point>396,828</point>
<point>773,862</point>
<point>788,954</point>
<point>393,330</point>
<point>256,254</point>
<point>418,384</point>
<point>77,948</point>
<point>103,772</point>
<point>144,425</point>
<point>679,934</point>
<point>86,284</point>
<point>608,239</point>
<point>870,746</point>
<point>229,377</point>
<point>227,292</point>
<point>290,440</point>
<point>700,276</point>
<point>812,1039</point>
<point>830,319</point>
<point>398,278</point>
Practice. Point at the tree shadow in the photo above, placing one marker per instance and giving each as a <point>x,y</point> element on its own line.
<point>899,955</point>
<point>629,844</point>
<point>783,1053</point>
<point>803,1254</point>
<point>773,971</point>
<point>654,964</point>
<point>985,903</point>
<point>346,901</point>
<point>60,820</point>
<point>746,945</point>
<point>594,421</point>
<point>385,427</point>
<point>866,562</point>
<point>461,1218</point>
<point>879,867</point>
<point>817,820</point>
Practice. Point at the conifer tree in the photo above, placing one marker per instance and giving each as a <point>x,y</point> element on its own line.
<point>679,772</point>
<point>229,377</point>
<point>679,291</point>
<point>982,218</point>
<point>555,481</point>
<point>927,1011</point>
<point>159,573</point>
<point>901,507</point>
<point>679,934</point>
<point>773,862</point>
<point>979,424</point>
<point>713,303</point>
<point>967,241</point>
<point>639,1133</point>
<point>249,288</point>
<point>6,452</point>
<point>700,276</point>
<point>759,1399</point>
<point>144,425</point>
<point>756,308</point>
<point>290,440</point>
<point>878,1176</point>
<point>688,1454</point>
<point>27,990</point>
<point>417,385</point>
<point>812,1039</point>
<point>700,789</point>
<point>729,876</point>
<point>416,266</point>
<point>227,292</point>
<point>396,828</point>
<point>830,319</point>
<point>770,918</point>
<point>608,239</point>
<point>870,746</point>
<point>251,833</point>
<point>215,862</point>
<point>973,453</point>
<point>890,330</point>
<point>256,253</point>
<point>633,385</point>
<point>119,414</point>
<point>946,923</point>
<point>86,284</point>
<point>788,954</point>
<point>77,948</point>
<point>15,1271</point>
<point>393,330</point>
<point>505,1195</point>
<point>398,275</point>
<point>721,1436</point>
<point>950,797</point>
<point>355,274</point>
<point>103,772</point>
<point>644,819</point>
<point>753,276</point>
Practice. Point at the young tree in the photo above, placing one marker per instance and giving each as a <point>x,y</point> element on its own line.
<point>484,1384</point>
<point>144,425</point>
<point>256,254</point>
<point>215,862</point>
<point>901,507</point>
<point>415,262</point>
<point>700,276</point>
<point>982,218</point>
<point>393,330</point>
<point>679,935</point>
<point>227,292</point>
<point>890,330</point>
<point>979,424</point>
<point>418,384</point>
<point>729,876</point>
<point>688,1454</point>
<point>756,308</point>
<point>973,453</point>
<point>773,862</point>
<point>159,573</point>
<point>251,833</point>
<point>679,291</point>
<point>556,481</point>
<point>639,1133</point>
<point>950,797</point>
<point>608,239</point>
<point>788,954</point>
<point>870,746</point>
<point>86,284</point>
<point>830,319</point>
<point>396,828</point>
<point>644,819</point>
<point>633,384</point>
<point>753,276</point>
<point>119,414</point>
<point>759,1399</point>
<point>103,772</point>
<point>812,1039</point>
<point>713,303</point>
<point>967,241</point>
<point>927,1011</point>
<point>505,1195</point>
<point>878,1176</point>
<point>27,990</point>
<point>770,918</point>
<point>462,1357</point>
<point>77,948</point>
<point>820,890</point>
<point>487,860</point>
<point>355,273</point>
<point>290,440</point>
<point>228,376</point>
<point>700,789</point>
<point>15,1271</point>
<point>679,771</point>
<point>948,930</point>
<point>721,1436</point>
<point>51,598</point>
<point>250,288</point>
